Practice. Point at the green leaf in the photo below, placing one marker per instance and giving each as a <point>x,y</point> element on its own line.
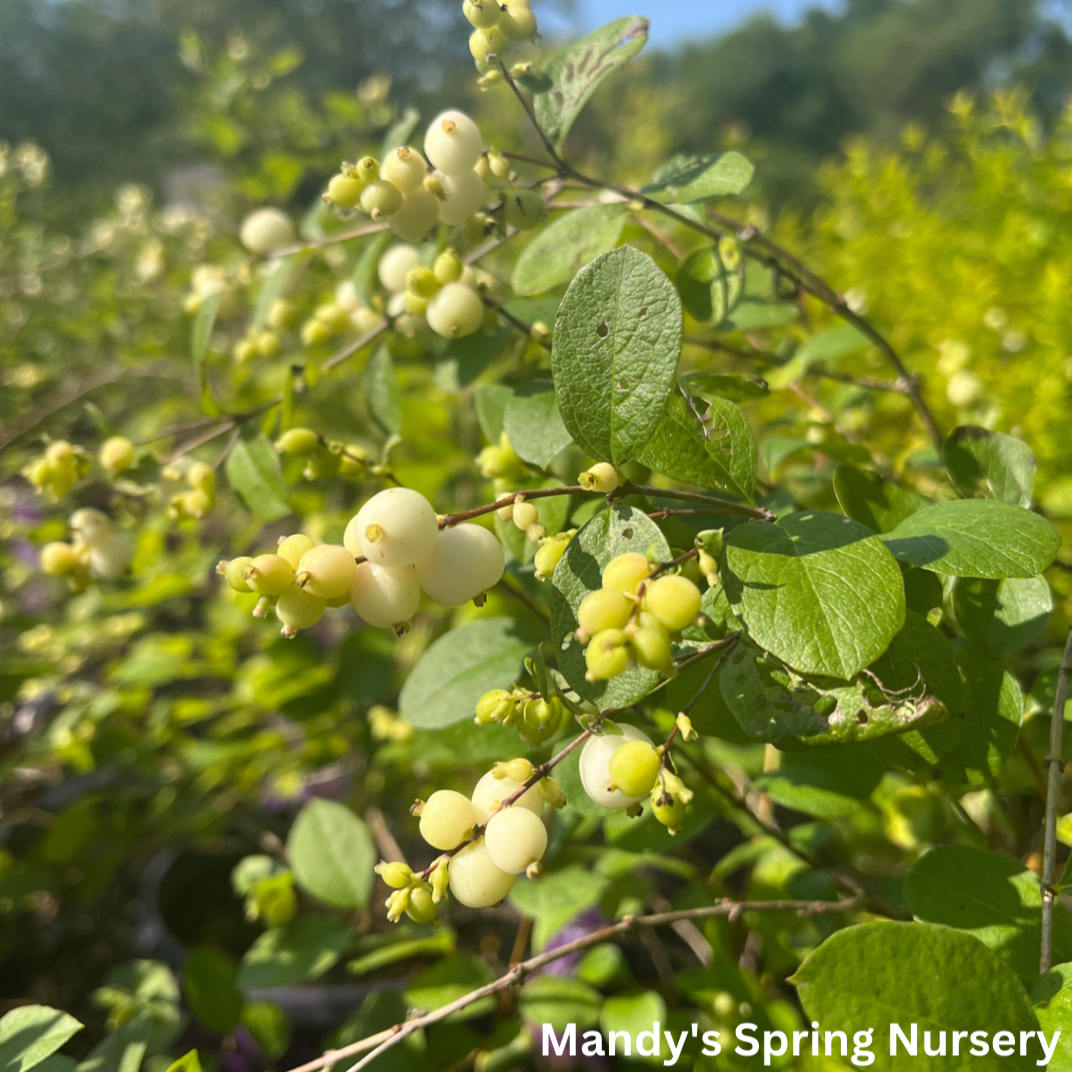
<point>269,1026</point>
<point>533,424</point>
<point>993,897</point>
<point>565,245</point>
<point>189,1062</point>
<point>1002,616</point>
<point>30,1033</point>
<point>709,289</point>
<point>382,391</point>
<point>818,591</point>
<point>201,332</point>
<point>208,981</point>
<point>632,1013</point>
<point>558,1002</point>
<point>754,314</point>
<point>610,533</point>
<point>1052,999</point>
<point>400,131</point>
<point>975,538</point>
<point>304,949</point>
<point>879,504</point>
<point>443,941</point>
<point>736,386</point>
<point>832,344</point>
<point>273,283</point>
<point>460,667</point>
<point>332,854</point>
<point>571,76</point>
<point>826,783</point>
<point>877,974</point>
<point>616,346</point>
<point>555,899</point>
<point>451,978</point>
<point>253,471</point>
<point>687,180</point>
<point>705,443</point>
<point>491,402</point>
<point>920,652</point>
<point>994,709</point>
<point>773,704</point>
<point>990,464</point>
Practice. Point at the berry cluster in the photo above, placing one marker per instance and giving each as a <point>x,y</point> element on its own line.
<point>487,841</point>
<point>618,770</point>
<point>97,549</point>
<point>524,516</point>
<point>199,494</point>
<point>325,458</point>
<point>447,295</point>
<point>495,24</point>
<point>404,193</point>
<point>536,720</point>
<point>58,469</point>
<point>391,549</point>
<point>632,619</point>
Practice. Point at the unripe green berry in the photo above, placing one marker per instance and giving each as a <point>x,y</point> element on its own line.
<point>447,819</point>
<point>116,455</point>
<point>326,571</point>
<point>283,315</point>
<point>547,557</point>
<point>448,267</point>
<point>322,465</point>
<point>57,558</point>
<point>493,706</point>
<point>380,199</point>
<point>523,209</point>
<point>298,609</point>
<point>293,547</point>
<point>524,515</point>
<point>203,477</point>
<point>414,304</point>
<point>267,343</point>
<point>520,770</point>
<point>345,191</point>
<point>269,575</point>
<point>498,165</point>
<point>651,644</point>
<point>314,332</point>
<point>603,609</point>
<point>421,907</point>
<point>601,477</point>
<point>633,768</point>
<point>606,655</point>
<point>675,601</point>
<point>488,46</point>
<point>297,443</point>
<point>517,22</point>
<point>667,806</point>
<point>481,14</point>
<point>405,169</point>
<point>626,571</point>
<point>367,169</point>
<point>233,573</point>
<point>395,874</point>
<point>422,282</point>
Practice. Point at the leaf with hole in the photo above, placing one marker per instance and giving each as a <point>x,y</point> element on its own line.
<point>616,346</point>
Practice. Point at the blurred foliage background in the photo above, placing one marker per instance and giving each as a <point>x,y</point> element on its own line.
<point>917,152</point>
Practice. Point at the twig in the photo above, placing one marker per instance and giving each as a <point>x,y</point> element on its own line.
<point>1054,776</point>
<point>381,832</point>
<point>321,243</point>
<point>375,1045</point>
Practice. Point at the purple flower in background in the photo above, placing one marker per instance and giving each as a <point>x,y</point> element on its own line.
<point>586,923</point>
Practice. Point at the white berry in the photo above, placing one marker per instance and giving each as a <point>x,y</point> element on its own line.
<point>265,230</point>
<point>326,571</point>
<point>111,556</point>
<point>490,792</point>
<point>456,311</point>
<point>385,596</point>
<point>404,168</point>
<point>453,143</point>
<point>463,194</point>
<point>516,838</point>
<point>447,819</point>
<point>395,264</point>
<point>595,766</point>
<point>418,214</point>
<point>474,880</point>
<point>466,560</point>
<point>90,526</point>
<point>396,527</point>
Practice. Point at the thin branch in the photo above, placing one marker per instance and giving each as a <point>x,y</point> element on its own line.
<point>375,1045</point>
<point>354,347</point>
<point>321,243</point>
<point>1055,769</point>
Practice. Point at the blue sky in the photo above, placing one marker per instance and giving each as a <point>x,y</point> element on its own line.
<point>675,20</point>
